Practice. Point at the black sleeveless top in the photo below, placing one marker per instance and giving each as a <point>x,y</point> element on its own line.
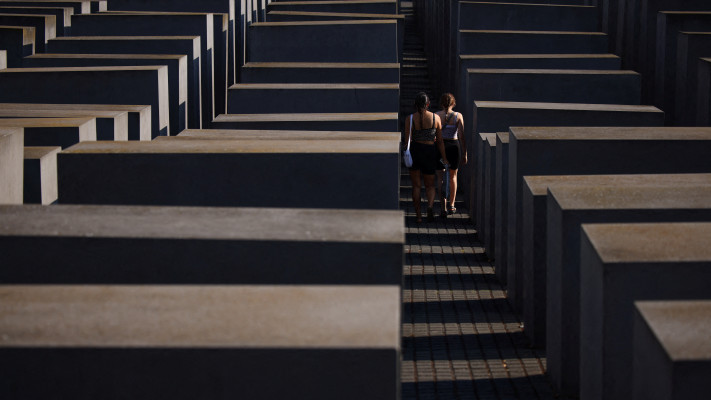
<point>424,135</point>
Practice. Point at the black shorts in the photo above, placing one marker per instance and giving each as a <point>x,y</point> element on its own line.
<point>423,157</point>
<point>451,149</point>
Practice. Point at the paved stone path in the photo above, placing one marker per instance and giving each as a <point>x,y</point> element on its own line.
<point>461,339</point>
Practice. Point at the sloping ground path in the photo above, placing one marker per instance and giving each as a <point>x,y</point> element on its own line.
<point>461,338</point>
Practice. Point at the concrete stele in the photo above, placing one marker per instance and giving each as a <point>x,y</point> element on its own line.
<point>40,175</point>
<point>11,166</point>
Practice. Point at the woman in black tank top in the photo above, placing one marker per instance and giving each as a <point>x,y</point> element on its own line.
<point>456,148</point>
<point>424,129</point>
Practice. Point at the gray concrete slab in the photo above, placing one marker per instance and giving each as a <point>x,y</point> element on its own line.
<point>624,263</point>
<point>310,121</point>
<point>45,26</point>
<point>280,135</point>
<point>664,54</point>
<point>528,17</point>
<point>148,85</point>
<point>109,118</point>
<point>3,59</point>
<point>137,24</point>
<point>63,132</point>
<point>690,48</point>
<point>476,183</point>
<point>530,42</point>
<point>531,61</point>
<point>501,204</point>
<point>321,73</point>
<point>62,15</point>
<point>40,175</point>
<point>351,6</point>
<point>703,93</point>
<point>196,173</point>
<point>534,239</point>
<point>18,42</point>
<point>488,194</point>
<point>11,166</point>
<point>306,246</point>
<point>671,349</point>
<point>177,75</point>
<point>188,45</point>
<point>570,150</point>
<point>110,125</point>
<point>187,342</point>
<point>230,7</point>
<point>78,6</point>
<point>554,85</point>
<point>338,41</point>
<point>292,98</point>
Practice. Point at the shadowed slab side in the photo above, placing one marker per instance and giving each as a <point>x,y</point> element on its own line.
<point>63,132</point>
<point>40,175</point>
<point>110,125</point>
<point>310,121</point>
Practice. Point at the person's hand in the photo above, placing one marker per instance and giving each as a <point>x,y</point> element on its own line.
<point>445,161</point>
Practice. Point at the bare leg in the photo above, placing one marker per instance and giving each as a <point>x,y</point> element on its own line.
<point>439,179</point>
<point>430,190</point>
<point>416,185</point>
<point>452,186</point>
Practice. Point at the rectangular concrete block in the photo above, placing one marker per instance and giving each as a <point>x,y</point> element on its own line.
<point>40,175</point>
<point>569,150</point>
<point>477,183</point>
<point>703,93</point>
<point>529,17</point>
<point>18,42</point>
<point>11,166</point>
<point>3,59</point>
<point>293,98</point>
<point>187,342</point>
<point>309,121</point>
<point>63,132</point>
<point>530,42</point>
<point>108,117</point>
<point>119,85</point>
<point>62,15</point>
<point>144,24</point>
<point>535,232</point>
<point>339,41</point>
<point>170,45</point>
<point>45,26</point>
<point>142,245</point>
<point>555,86</point>
<point>354,6</point>
<point>202,173</point>
<point>669,24</point>
<point>281,135</point>
<point>501,204</point>
<point>624,263</point>
<point>671,357</point>
<point>273,72</point>
<point>177,75</point>
<point>78,6</point>
<point>110,125</point>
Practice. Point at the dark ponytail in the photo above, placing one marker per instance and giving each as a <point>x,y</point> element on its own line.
<point>421,101</point>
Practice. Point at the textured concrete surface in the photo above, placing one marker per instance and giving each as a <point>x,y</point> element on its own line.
<point>194,341</point>
<point>78,6</point>
<point>530,42</point>
<point>3,59</point>
<point>142,245</point>
<point>535,233</point>
<point>281,135</point>
<point>232,173</point>
<point>624,263</point>
<point>110,125</point>
<point>286,72</point>
<point>672,353</point>
<point>528,17</point>
<point>188,45</point>
<point>11,145</point>
<point>45,26</point>
<point>309,121</point>
<point>40,175</point>
<point>18,42</point>
<point>62,15</point>
<point>177,76</point>
<point>690,47</point>
<point>488,194</point>
<point>500,204</point>
<point>360,6</point>
<point>703,94</point>
<point>149,86</point>
<point>63,132</point>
